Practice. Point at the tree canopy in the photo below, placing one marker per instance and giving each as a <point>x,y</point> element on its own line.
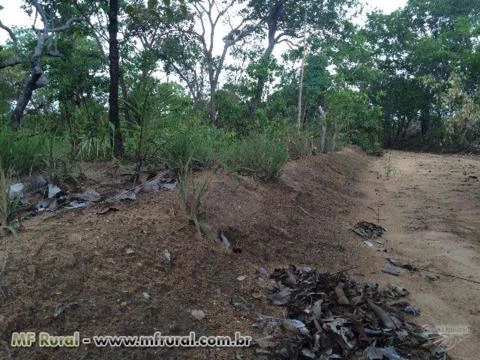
<point>92,70</point>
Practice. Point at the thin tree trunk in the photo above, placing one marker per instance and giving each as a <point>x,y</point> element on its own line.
<point>114,111</point>
<point>302,76</point>
<point>124,88</point>
<point>335,135</point>
<point>323,142</point>
<point>262,78</point>
<point>323,126</point>
<point>212,106</point>
<point>35,80</point>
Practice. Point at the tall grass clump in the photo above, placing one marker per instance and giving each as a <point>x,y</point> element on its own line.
<point>23,149</point>
<point>191,193</point>
<point>256,155</point>
<point>299,143</point>
<point>195,144</point>
<point>8,206</point>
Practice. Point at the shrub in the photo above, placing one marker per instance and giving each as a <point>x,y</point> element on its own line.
<point>21,150</point>
<point>257,156</point>
<point>299,143</point>
<point>95,143</point>
<point>195,144</point>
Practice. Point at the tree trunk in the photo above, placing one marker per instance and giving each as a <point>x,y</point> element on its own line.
<point>323,126</point>
<point>275,13</point>
<point>335,135</point>
<point>212,106</point>
<point>262,78</point>
<point>323,141</point>
<point>302,76</point>
<point>123,86</point>
<point>35,80</point>
<point>113,102</point>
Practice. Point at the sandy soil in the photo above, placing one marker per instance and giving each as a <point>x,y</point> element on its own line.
<point>430,205</point>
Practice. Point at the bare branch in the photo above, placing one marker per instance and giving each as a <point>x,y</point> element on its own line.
<point>289,42</point>
<point>41,11</point>
<point>16,59</point>
<point>46,26</point>
<point>66,26</point>
<point>11,34</point>
<point>37,78</point>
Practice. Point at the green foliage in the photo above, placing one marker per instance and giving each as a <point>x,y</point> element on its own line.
<point>89,133</point>
<point>409,77</point>
<point>167,129</point>
<point>299,143</point>
<point>429,39</point>
<point>147,104</point>
<point>357,119</point>
<point>22,150</point>
<point>462,120</point>
<point>316,82</point>
<point>258,156</point>
<point>232,113</point>
<point>191,143</point>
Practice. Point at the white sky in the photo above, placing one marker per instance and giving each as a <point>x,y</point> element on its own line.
<point>387,6</point>
<point>13,15</point>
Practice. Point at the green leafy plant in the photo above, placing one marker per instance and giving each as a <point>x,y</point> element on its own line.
<point>96,145</point>
<point>23,149</point>
<point>299,143</point>
<point>59,165</point>
<point>257,156</point>
<point>388,168</point>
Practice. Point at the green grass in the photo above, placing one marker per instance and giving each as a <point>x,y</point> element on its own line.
<point>199,146</point>
<point>258,156</point>
<point>22,150</point>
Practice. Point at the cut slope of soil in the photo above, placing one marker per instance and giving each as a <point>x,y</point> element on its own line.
<point>106,274</point>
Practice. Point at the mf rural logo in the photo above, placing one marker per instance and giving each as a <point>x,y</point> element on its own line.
<point>449,336</point>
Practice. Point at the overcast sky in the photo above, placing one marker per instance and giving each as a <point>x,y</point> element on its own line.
<point>13,15</point>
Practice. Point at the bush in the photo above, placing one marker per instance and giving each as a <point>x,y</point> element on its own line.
<point>95,144</point>
<point>367,144</point>
<point>299,143</point>
<point>358,121</point>
<point>198,145</point>
<point>22,150</point>
<point>257,156</point>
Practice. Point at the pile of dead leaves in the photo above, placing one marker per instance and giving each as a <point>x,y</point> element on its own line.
<point>330,316</point>
<point>38,195</point>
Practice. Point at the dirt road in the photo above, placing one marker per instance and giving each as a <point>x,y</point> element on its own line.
<point>430,205</point>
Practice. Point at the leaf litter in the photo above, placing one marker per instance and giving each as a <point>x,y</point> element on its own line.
<point>39,195</point>
<point>332,316</point>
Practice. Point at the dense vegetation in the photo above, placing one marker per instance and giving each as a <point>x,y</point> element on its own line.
<point>201,82</point>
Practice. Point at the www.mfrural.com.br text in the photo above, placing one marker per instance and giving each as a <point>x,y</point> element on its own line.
<point>47,340</point>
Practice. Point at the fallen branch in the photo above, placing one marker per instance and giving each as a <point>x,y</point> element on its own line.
<point>452,276</point>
